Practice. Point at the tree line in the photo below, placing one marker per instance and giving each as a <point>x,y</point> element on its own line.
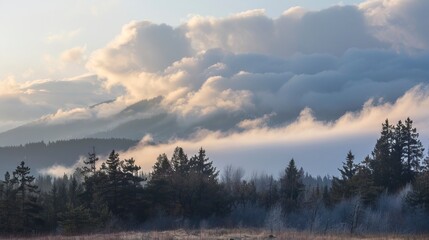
<point>190,192</point>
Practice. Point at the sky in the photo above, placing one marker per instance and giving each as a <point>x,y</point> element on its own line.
<point>251,81</point>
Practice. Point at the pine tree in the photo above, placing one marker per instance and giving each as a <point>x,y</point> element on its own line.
<point>75,219</point>
<point>345,187</point>
<point>386,164</point>
<point>412,154</point>
<point>91,163</point>
<point>180,161</point>
<point>160,186</point>
<point>291,188</point>
<point>111,192</point>
<point>162,167</point>
<point>366,189</point>
<point>8,212</point>
<point>131,190</point>
<point>26,197</point>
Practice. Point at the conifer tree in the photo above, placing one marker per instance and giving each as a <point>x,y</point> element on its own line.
<point>345,187</point>
<point>111,191</point>
<point>8,212</point>
<point>291,188</point>
<point>160,186</point>
<point>180,161</point>
<point>91,163</point>
<point>26,197</point>
<point>412,154</point>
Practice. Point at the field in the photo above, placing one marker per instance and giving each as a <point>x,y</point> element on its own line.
<point>230,234</point>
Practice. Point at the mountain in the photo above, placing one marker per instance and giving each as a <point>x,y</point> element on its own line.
<point>45,129</point>
<point>40,155</point>
<point>133,122</point>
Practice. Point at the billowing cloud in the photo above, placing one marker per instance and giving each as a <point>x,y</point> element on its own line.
<point>38,98</point>
<point>307,84</point>
<point>256,65</point>
<point>401,23</point>
<point>318,146</point>
<point>141,47</point>
<point>332,30</point>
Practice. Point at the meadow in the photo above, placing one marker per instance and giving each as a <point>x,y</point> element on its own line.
<point>215,234</point>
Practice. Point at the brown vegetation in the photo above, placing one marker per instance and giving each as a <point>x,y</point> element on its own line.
<point>224,234</point>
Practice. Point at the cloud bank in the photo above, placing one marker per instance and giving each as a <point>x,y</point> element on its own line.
<point>307,84</point>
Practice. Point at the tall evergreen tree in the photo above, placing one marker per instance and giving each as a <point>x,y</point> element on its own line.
<point>345,187</point>
<point>8,211</point>
<point>91,163</point>
<point>111,191</point>
<point>26,197</point>
<point>180,161</point>
<point>412,154</point>
<point>160,188</point>
<point>386,163</point>
<point>291,188</point>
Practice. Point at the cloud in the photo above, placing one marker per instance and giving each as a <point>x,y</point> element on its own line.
<point>332,30</point>
<point>141,46</point>
<point>307,84</point>
<point>318,146</point>
<point>59,170</point>
<point>255,123</point>
<point>253,64</point>
<point>401,23</point>
<point>38,98</point>
<point>73,55</point>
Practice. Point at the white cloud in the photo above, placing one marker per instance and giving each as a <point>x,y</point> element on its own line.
<point>307,139</point>
<point>73,55</point>
<point>308,84</point>
<point>333,30</point>
<point>401,23</point>
<point>37,98</point>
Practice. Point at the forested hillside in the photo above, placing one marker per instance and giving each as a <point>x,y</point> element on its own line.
<point>387,192</point>
<point>41,155</point>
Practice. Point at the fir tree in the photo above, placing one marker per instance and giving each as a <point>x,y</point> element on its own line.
<point>412,153</point>
<point>345,188</point>
<point>26,197</point>
<point>180,161</point>
<point>291,188</point>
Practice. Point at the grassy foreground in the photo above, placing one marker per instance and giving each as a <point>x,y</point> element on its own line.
<point>234,234</point>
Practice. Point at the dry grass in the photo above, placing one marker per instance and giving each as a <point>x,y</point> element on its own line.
<point>213,234</point>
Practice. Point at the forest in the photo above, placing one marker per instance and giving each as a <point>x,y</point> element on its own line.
<point>386,192</point>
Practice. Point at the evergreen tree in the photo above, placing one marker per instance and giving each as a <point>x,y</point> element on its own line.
<point>160,187</point>
<point>386,163</point>
<point>26,198</point>
<point>111,191</point>
<point>412,154</point>
<point>419,196</point>
<point>201,164</point>
<point>8,212</point>
<point>345,187</point>
<point>131,190</point>
<point>180,161</point>
<point>366,189</point>
<point>291,188</point>
<point>91,163</point>
<point>162,167</point>
<point>75,219</point>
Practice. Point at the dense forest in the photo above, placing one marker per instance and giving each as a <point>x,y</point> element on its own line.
<point>388,191</point>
